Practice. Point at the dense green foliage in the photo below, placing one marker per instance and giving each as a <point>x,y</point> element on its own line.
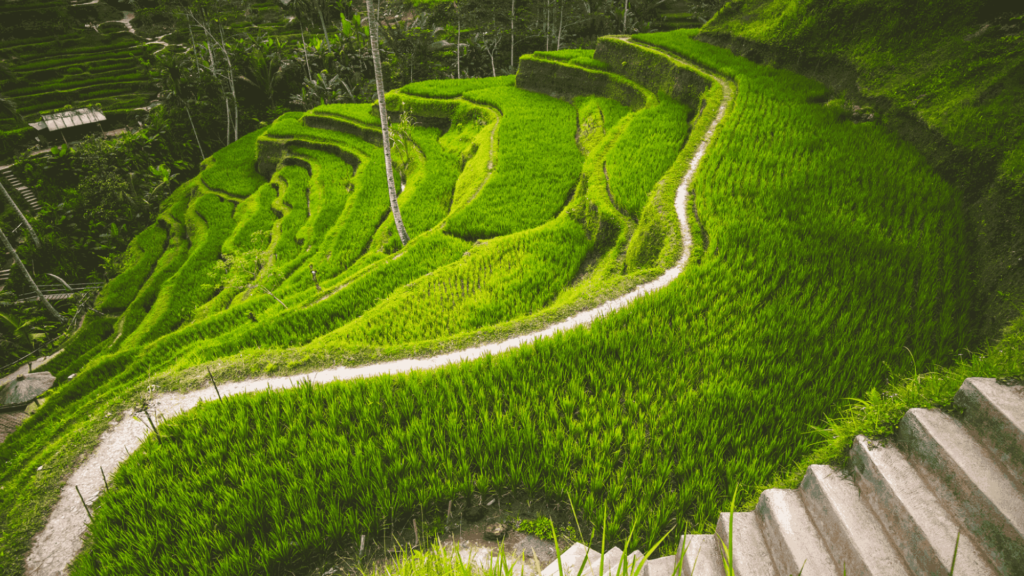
<point>822,249</point>
<point>95,197</point>
<point>814,276</point>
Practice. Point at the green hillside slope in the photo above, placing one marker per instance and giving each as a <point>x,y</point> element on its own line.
<point>823,250</point>
<point>947,76</point>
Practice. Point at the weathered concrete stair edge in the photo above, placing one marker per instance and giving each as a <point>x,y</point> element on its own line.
<point>794,543</point>
<point>851,532</point>
<point>995,415</point>
<point>911,513</point>
<point>968,480</point>
<point>897,510</point>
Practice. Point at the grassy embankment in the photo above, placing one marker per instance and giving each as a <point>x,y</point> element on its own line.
<point>176,304</point>
<point>812,280</point>
<point>946,76</point>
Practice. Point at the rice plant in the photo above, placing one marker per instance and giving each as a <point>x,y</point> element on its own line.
<point>505,278</point>
<point>643,153</point>
<point>453,88</point>
<point>829,247</point>
<point>537,162</point>
<point>232,170</point>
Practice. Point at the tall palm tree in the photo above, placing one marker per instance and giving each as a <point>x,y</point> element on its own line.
<point>174,88</point>
<point>31,231</point>
<point>46,303</point>
<point>384,124</point>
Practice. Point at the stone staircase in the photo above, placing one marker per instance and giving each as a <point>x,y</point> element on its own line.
<point>899,510</point>
<point>12,183</point>
<point>16,184</point>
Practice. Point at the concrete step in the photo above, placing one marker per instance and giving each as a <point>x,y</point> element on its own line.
<point>750,555</point>
<point>660,567</point>
<point>625,565</point>
<point>572,559</point>
<point>699,555</point>
<point>919,525</point>
<point>994,414</point>
<point>854,537</point>
<point>611,557</point>
<point>972,484</point>
<point>792,538</point>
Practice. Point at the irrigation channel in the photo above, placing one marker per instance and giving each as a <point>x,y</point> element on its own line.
<point>56,546</point>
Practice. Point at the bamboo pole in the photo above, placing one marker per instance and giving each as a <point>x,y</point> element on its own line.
<point>31,231</point>
<point>21,266</point>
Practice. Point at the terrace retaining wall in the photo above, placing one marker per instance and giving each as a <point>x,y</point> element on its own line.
<point>272,151</point>
<point>565,82</point>
<point>652,70</point>
<point>337,124</point>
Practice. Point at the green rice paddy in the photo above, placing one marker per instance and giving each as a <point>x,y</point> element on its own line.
<point>822,250</point>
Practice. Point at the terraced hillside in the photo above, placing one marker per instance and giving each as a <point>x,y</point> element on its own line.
<point>821,249</point>
<point>495,206</point>
<point>65,53</point>
<point>53,68</point>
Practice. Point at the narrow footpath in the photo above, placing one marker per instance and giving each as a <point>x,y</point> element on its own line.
<point>60,541</point>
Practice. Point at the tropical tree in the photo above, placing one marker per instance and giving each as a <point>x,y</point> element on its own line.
<point>305,10</point>
<point>175,89</point>
<point>35,287</point>
<point>20,333</point>
<point>263,72</point>
<point>208,17</point>
<point>411,44</point>
<point>383,112</point>
<point>323,89</point>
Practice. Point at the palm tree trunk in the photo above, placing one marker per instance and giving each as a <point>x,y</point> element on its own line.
<point>227,113</point>
<point>320,11</point>
<point>384,126</point>
<point>213,70</point>
<point>309,71</point>
<point>231,77</point>
<point>561,10</point>
<point>512,44</point>
<point>547,24</point>
<point>46,303</point>
<point>458,41</point>
<point>194,132</point>
<point>31,231</point>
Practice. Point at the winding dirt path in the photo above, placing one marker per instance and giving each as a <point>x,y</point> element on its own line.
<point>56,546</point>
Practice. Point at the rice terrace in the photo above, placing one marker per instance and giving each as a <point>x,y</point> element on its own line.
<point>531,287</point>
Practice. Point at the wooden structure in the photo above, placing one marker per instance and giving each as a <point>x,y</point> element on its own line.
<point>70,124</point>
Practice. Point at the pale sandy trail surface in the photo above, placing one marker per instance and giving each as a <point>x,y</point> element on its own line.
<point>55,547</point>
